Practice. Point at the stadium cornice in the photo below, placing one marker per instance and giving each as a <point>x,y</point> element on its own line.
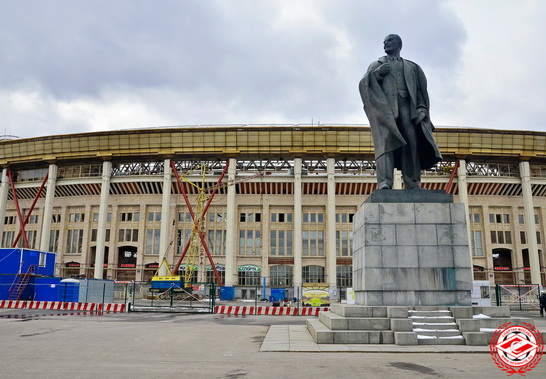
<point>259,142</point>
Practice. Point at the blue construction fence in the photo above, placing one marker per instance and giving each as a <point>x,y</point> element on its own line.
<point>59,289</point>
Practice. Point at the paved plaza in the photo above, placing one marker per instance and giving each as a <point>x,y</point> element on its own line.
<point>57,344</point>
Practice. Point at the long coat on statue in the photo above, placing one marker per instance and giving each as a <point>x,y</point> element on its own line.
<point>379,93</point>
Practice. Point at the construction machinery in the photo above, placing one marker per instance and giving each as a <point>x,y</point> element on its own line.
<point>197,238</point>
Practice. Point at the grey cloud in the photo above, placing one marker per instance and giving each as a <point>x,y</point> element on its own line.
<point>217,61</point>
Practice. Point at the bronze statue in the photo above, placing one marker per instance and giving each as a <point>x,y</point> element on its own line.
<point>395,97</point>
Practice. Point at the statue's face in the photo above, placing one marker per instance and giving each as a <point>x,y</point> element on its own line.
<point>392,44</point>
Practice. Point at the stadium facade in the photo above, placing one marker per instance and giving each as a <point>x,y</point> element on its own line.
<point>110,205</point>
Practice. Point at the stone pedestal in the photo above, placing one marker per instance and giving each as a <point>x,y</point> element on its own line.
<point>410,248</point>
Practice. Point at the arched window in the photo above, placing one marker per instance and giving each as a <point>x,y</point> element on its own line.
<point>313,274</point>
<point>280,276</point>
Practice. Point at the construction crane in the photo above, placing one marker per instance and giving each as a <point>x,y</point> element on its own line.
<point>197,238</point>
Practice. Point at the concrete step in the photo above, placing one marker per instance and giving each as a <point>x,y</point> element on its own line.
<point>437,333</point>
<point>427,340</point>
<point>336,322</point>
<point>429,308</point>
<point>436,325</point>
<point>319,331</point>
<point>322,335</point>
<point>420,313</point>
<point>438,319</point>
<point>353,310</point>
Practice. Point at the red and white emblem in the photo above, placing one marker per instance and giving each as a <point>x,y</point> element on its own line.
<point>516,349</point>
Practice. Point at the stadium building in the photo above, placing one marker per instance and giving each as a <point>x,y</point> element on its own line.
<point>111,204</point>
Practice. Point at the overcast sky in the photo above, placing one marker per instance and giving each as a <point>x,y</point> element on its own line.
<point>71,66</point>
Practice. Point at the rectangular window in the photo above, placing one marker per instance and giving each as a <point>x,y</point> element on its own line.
<point>508,237</point>
<point>523,237</point>
<point>344,240</point>
<point>211,277</point>
<point>538,237</point>
<point>9,220</point>
<point>56,218</point>
<point>250,217</point>
<point>154,216</point>
<point>477,246</point>
<point>499,218</point>
<point>31,238</point>
<point>313,274</point>
<point>281,217</point>
<point>501,237</point>
<point>182,237</point>
<point>152,241</point>
<point>74,241</point>
<point>344,276</point>
<point>128,235</point>
<point>42,260</point>
<point>54,240</point>
<point>280,276</point>
<point>313,243</point>
<point>184,217</point>
<point>76,217</point>
<point>249,278</point>
<point>32,219</point>
<point>216,241</point>
<point>344,217</point>
<point>250,242</point>
<point>7,238</point>
<point>474,218</point>
<point>313,218</point>
<point>280,242</point>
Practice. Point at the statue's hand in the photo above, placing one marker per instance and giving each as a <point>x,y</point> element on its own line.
<point>421,115</point>
<point>383,69</point>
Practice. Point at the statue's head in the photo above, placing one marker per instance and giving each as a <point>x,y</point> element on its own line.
<point>392,44</point>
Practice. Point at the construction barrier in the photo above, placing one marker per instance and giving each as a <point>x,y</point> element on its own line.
<point>62,306</point>
<point>241,310</point>
<point>14,304</point>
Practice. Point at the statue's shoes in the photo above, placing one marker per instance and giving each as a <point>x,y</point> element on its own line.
<point>384,186</point>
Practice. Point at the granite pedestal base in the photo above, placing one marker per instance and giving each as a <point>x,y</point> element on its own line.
<point>408,253</point>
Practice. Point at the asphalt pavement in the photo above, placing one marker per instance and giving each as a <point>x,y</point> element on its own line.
<point>59,344</point>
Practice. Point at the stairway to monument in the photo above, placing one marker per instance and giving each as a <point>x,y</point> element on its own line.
<point>435,326</point>
<point>354,324</point>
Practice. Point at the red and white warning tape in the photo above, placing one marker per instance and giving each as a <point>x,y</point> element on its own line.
<point>240,310</point>
<point>59,305</point>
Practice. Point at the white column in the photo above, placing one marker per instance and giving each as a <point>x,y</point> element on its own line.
<point>529,217</point>
<point>164,237</point>
<point>48,208</point>
<point>231,227</point>
<point>463,198</point>
<point>103,216</point>
<point>4,188</point>
<point>297,238</point>
<point>331,229</point>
